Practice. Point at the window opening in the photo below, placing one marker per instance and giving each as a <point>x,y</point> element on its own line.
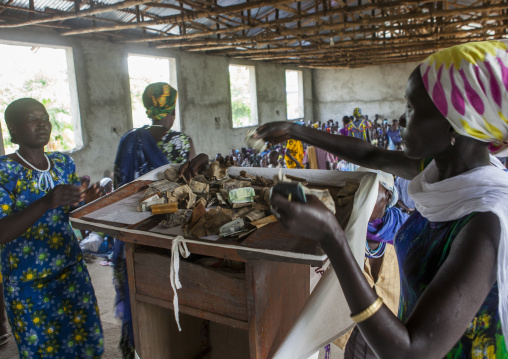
<point>45,74</point>
<point>294,94</point>
<point>243,96</point>
<point>144,70</point>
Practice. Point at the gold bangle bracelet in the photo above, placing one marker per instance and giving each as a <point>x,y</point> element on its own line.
<point>369,312</point>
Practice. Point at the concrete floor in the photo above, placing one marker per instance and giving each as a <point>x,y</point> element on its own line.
<point>102,282</point>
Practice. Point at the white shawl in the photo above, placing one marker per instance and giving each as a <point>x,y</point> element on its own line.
<point>484,189</point>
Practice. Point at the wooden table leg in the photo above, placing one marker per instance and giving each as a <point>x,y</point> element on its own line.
<point>276,293</point>
<point>129,257</point>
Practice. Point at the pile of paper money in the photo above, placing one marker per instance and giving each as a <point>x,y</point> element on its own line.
<point>230,207</point>
<point>166,191</point>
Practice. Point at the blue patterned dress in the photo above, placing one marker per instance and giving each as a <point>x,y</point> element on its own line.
<point>422,247</point>
<point>49,297</point>
<point>138,154</point>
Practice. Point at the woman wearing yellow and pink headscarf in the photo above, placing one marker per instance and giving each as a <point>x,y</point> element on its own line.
<point>453,250</point>
<point>140,151</point>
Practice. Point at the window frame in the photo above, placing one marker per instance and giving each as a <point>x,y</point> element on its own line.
<point>301,94</point>
<point>253,95</point>
<point>75,107</point>
<point>173,82</point>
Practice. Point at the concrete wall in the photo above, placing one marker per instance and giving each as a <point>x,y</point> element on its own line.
<point>376,90</point>
<point>102,83</point>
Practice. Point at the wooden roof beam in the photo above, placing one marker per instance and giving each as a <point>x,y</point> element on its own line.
<point>239,40</point>
<point>178,18</point>
<point>360,51</point>
<point>73,15</point>
<point>236,8</point>
<point>329,27</point>
<point>52,11</point>
<point>53,26</point>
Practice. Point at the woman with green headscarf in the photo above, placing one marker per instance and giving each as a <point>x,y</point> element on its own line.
<point>140,151</point>
<point>453,250</point>
<point>144,149</point>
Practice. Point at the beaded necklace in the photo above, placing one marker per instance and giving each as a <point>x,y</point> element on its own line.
<point>376,253</point>
<point>43,174</point>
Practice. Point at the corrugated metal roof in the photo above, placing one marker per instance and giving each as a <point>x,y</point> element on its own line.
<point>268,32</point>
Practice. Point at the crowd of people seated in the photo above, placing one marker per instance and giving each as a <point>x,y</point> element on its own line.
<point>380,132</point>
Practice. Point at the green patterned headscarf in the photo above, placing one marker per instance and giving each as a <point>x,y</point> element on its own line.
<point>159,99</point>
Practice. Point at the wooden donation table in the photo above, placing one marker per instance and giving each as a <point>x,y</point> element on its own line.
<point>223,313</point>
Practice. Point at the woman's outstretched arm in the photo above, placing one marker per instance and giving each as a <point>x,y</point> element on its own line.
<point>347,148</point>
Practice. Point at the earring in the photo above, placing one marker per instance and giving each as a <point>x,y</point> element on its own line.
<point>453,141</point>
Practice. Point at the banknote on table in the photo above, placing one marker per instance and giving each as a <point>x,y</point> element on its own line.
<point>189,201</point>
<point>264,221</point>
<point>242,205</point>
<point>241,212</point>
<point>200,200</point>
<point>177,219</point>
<point>232,184</point>
<point>260,206</point>
<point>149,193</point>
<point>220,198</point>
<point>145,206</point>
<point>265,194</point>
<point>349,189</point>
<point>323,195</point>
<point>213,202</point>
<point>244,174</point>
<point>199,187</point>
<point>217,171</point>
<point>151,197</point>
<point>216,220</point>
<point>232,228</point>
<point>245,233</point>
<point>255,215</point>
<point>242,195</point>
<point>164,185</point>
<point>171,174</point>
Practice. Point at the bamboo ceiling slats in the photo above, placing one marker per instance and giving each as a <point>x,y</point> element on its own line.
<point>309,33</point>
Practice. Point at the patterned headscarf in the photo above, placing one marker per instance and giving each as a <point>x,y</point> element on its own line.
<point>357,112</point>
<point>469,85</point>
<point>159,99</point>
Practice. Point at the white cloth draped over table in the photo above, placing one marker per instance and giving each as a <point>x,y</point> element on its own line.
<point>326,315</point>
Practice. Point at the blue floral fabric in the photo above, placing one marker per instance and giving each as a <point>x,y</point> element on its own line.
<point>49,297</point>
<point>138,153</point>
<point>175,146</point>
<point>422,247</point>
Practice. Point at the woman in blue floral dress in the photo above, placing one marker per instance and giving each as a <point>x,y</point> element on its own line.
<point>49,297</point>
<point>140,151</point>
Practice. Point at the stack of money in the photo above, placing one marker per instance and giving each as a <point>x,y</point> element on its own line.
<point>232,228</point>
<point>242,195</point>
<point>232,184</point>
<point>323,195</point>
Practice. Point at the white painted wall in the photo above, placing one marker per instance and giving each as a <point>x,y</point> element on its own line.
<point>375,89</point>
<point>102,83</point>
